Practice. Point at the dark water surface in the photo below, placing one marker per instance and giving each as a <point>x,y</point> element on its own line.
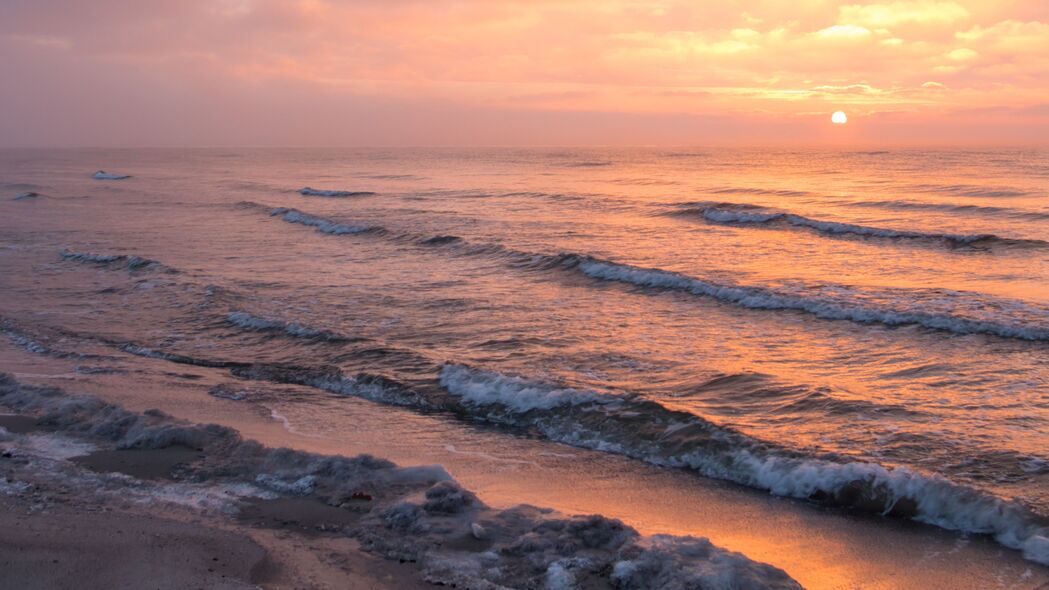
<point>868,330</point>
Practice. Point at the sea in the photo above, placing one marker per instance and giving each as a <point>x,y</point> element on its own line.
<point>832,360</point>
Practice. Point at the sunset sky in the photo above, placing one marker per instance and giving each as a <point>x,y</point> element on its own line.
<point>408,72</point>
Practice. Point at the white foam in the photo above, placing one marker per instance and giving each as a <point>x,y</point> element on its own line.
<point>92,257</point>
<point>843,308</point>
<point>55,446</point>
<point>13,487</point>
<point>319,223</point>
<point>103,175</point>
<point>726,455</point>
<point>299,487</point>
<point>25,342</point>
<point>691,562</point>
<point>938,501</point>
<point>559,577</point>
<point>750,216</point>
<point>484,388</point>
<point>314,192</point>
<point>251,322</point>
<point>129,262</point>
<point>222,498</point>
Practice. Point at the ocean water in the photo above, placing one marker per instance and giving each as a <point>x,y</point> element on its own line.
<point>867,330</point>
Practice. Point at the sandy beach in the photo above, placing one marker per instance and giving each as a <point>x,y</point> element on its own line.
<point>511,295</point>
<point>95,496</point>
<point>57,531</point>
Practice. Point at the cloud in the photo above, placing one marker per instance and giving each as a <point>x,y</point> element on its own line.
<point>751,60</point>
<point>897,13</point>
<point>962,54</point>
<point>844,31</point>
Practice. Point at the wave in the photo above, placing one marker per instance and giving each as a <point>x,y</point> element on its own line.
<point>969,190</point>
<point>25,342</point>
<point>646,430</point>
<point>440,240</point>
<point>114,261</point>
<point>518,394</point>
<point>753,215</point>
<point>936,309</point>
<point>843,306</point>
<point>642,429</point>
<point>949,208</point>
<point>412,513</point>
<point>321,224</point>
<point>733,190</point>
<point>737,394</point>
<point>250,322</point>
<point>25,196</point>
<point>103,175</point>
<point>314,192</point>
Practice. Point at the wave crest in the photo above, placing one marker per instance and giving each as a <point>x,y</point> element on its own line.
<point>752,215</point>
<point>250,322</point>
<point>321,224</point>
<point>316,192</point>
<point>413,513</point>
<point>114,261</point>
<point>646,430</point>
<point>933,309</point>
<point>103,175</point>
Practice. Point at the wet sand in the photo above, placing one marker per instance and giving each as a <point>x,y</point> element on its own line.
<point>821,548</point>
<point>68,549</point>
<point>56,535</point>
<point>197,505</point>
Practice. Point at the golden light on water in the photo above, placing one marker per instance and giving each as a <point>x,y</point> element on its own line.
<point>839,118</point>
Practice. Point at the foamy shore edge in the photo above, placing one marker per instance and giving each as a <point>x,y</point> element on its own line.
<point>58,454</point>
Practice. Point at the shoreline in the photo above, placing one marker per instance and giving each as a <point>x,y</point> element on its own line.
<point>54,532</point>
<point>819,547</point>
<point>137,465</point>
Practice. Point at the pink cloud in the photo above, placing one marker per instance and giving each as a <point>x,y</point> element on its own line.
<point>349,73</point>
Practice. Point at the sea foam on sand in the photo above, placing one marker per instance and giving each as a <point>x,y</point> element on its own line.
<point>416,514</point>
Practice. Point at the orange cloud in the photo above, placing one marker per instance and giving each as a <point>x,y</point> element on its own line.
<point>755,62</point>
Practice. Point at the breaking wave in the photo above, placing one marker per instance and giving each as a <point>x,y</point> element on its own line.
<point>114,261</point>
<point>250,322</point>
<point>645,430</point>
<point>753,215</point>
<point>648,431</point>
<point>321,224</point>
<point>25,196</point>
<point>838,303</point>
<point>414,513</point>
<point>315,192</point>
<point>936,309</point>
<point>642,429</point>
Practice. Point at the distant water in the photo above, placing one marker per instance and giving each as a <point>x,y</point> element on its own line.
<point>864,329</point>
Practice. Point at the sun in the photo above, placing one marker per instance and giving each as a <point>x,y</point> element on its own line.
<point>839,118</point>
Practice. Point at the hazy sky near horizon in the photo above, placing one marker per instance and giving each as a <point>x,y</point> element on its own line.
<point>511,72</point>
